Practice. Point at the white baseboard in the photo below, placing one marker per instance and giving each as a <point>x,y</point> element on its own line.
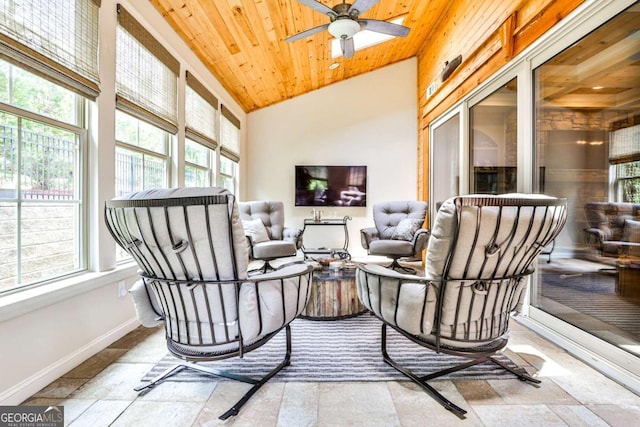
<point>36,382</point>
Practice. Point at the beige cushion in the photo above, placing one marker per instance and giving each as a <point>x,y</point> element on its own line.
<point>256,230</point>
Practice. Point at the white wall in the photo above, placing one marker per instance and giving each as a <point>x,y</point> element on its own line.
<point>366,120</point>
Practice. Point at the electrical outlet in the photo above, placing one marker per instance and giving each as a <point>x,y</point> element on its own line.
<point>122,289</point>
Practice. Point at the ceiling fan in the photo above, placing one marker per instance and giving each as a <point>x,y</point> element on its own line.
<point>345,23</point>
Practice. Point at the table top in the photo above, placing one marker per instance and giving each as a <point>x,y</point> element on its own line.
<point>326,274</point>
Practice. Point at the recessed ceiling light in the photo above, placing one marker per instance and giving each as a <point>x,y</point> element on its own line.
<point>334,66</point>
<point>597,87</point>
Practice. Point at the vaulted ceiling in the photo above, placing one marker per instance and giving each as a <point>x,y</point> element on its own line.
<point>242,43</point>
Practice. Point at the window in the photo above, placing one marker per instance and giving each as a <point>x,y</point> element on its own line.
<point>624,155</point>
<point>230,151</point>
<point>198,169</point>
<point>628,182</point>
<point>200,144</point>
<point>142,155</point>
<point>48,70</point>
<point>41,181</point>
<point>228,173</point>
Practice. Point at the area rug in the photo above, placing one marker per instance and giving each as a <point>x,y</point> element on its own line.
<point>340,350</point>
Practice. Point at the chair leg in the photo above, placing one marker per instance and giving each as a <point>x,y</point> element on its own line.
<point>447,404</point>
<point>257,383</point>
<point>422,381</point>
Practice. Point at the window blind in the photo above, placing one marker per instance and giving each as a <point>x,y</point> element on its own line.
<point>624,145</point>
<point>200,113</point>
<point>230,134</point>
<point>56,39</point>
<point>146,75</point>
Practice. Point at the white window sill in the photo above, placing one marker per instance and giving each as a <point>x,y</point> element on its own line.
<point>23,302</point>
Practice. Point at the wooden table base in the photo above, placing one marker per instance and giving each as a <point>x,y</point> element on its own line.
<point>333,296</point>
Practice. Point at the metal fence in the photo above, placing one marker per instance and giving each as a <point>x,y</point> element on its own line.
<point>42,167</point>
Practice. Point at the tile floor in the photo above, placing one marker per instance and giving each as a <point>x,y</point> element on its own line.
<point>100,392</point>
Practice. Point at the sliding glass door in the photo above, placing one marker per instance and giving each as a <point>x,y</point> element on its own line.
<point>445,149</point>
<point>564,119</point>
<point>587,145</point>
<point>494,143</point>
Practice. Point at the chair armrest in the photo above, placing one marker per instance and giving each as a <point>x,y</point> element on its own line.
<point>291,270</point>
<point>420,239</point>
<point>595,237</point>
<point>368,235</point>
<point>292,234</point>
<point>379,270</point>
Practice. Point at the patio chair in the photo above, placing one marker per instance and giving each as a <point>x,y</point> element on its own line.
<point>481,252</point>
<point>398,232</point>
<point>267,237</point>
<point>190,246</point>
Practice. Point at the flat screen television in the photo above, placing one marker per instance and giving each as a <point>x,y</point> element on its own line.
<point>331,185</point>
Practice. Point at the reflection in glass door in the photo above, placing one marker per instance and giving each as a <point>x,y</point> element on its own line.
<point>445,170</point>
<point>494,144</point>
<point>587,149</point>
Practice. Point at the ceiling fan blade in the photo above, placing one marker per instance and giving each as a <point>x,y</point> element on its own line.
<point>384,27</point>
<point>316,5</point>
<point>362,5</point>
<point>306,33</point>
<point>348,48</point>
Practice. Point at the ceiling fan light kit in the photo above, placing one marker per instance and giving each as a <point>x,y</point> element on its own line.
<point>345,23</point>
<point>343,28</point>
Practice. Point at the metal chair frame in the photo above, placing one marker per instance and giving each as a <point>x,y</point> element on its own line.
<point>479,346</point>
<point>198,300</point>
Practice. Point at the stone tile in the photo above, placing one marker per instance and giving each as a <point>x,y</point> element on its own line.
<point>350,404</point>
<point>263,406</point>
<point>578,416</point>
<point>478,392</point>
<point>137,336</point>
<point>517,392</point>
<point>154,414</point>
<point>299,405</point>
<point>415,406</point>
<point>170,391</point>
<point>101,413</point>
<point>73,408</point>
<point>150,350</point>
<point>95,364</point>
<point>518,415</point>
<point>617,415</point>
<point>115,382</point>
<point>61,388</point>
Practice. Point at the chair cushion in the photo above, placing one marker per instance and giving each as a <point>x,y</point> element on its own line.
<point>272,249</point>
<point>406,229</point>
<point>159,248</point>
<point>271,213</point>
<point>255,229</point>
<point>391,248</point>
<point>387,215</point>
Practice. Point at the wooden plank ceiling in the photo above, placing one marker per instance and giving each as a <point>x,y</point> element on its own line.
<point>242,43</point>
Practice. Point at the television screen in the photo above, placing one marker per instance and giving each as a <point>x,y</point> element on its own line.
<point>331,185</point>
